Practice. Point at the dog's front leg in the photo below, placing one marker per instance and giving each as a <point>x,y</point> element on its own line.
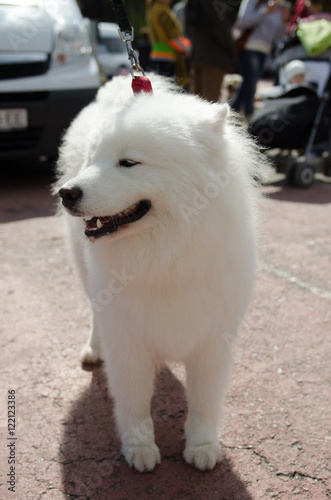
<point>207,371</point>
<point>131,378</point>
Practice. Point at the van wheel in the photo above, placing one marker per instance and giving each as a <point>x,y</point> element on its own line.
<point>304,176</point>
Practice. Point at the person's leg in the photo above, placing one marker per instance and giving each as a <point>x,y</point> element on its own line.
<point>243,69</point>
<point>212,78</point>
<point>250,66</point>
<point>253,69</point>
<point>207,80</point>
<point>196,83</point>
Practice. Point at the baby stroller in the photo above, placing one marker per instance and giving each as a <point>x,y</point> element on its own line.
<point>296,126</point>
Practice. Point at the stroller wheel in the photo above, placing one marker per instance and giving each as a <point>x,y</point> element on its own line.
<point>304,176</point>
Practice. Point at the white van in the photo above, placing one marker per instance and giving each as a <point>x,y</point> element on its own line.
<point>112,53</point>
<point>47,75</point>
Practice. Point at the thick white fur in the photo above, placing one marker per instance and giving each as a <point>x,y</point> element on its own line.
<point>175,284</point>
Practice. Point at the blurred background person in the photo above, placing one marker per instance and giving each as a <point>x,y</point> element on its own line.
<point>299,11</point>
<point>317,9</point>
<point>143,46</point>
<point>169,48</point>
<point>213,51</point>
<point>179,11</point>
<point>296,46</point>
<point>267,20</point>
<point>292,75</point>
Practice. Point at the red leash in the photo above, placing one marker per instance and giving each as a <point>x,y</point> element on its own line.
<point>139,83</point>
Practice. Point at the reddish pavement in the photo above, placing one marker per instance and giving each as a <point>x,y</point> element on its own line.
<point>276,425</point>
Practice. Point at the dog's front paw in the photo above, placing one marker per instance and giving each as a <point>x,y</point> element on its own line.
<point>203,456</point>
<point>142,457</point>
<point>89,355</point>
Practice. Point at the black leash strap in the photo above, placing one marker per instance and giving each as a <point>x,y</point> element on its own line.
<point>139,83</point>
<point>126,33</point>
<point>122,16</point>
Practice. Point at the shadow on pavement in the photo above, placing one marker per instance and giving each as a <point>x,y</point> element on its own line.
<point>92,466</point>
<point>25,192</point>
<point>319,193</point>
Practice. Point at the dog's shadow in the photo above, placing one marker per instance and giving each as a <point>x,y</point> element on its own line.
<point>93,467</point>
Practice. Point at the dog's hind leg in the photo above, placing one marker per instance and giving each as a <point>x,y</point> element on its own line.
<point>207,372</point>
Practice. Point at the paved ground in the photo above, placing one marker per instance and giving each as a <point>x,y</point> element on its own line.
<point>276,427</point>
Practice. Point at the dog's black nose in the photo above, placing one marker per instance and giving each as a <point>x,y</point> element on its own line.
<point>70,197</point>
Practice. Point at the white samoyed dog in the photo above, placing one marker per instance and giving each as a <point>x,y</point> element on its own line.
<point>161,209</point>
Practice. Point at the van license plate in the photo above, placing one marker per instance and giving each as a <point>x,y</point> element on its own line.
<point>13,119</point>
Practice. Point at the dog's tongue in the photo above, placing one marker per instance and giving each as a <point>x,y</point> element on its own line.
<point>141,84</point>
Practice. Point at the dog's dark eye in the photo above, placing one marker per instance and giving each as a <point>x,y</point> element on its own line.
<point>128,163</point>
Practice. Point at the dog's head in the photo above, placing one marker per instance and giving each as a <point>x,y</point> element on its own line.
<point>146,160</point>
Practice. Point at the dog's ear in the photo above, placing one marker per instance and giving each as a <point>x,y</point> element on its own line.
<point>211,122</point>
<point>221,115</point>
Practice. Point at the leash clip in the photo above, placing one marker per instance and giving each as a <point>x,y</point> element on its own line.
<point>127,37</point>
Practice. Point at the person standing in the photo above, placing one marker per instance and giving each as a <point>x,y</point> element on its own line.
<point>299,11</point>
<point>268,22</point>
<point>179,11</point>
<point>213,50</point>
<point>169,47</point>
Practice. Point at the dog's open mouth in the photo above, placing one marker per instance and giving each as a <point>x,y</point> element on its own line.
<point>100,226</point>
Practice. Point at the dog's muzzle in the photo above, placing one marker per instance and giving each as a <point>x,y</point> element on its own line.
<point>97,226</point>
